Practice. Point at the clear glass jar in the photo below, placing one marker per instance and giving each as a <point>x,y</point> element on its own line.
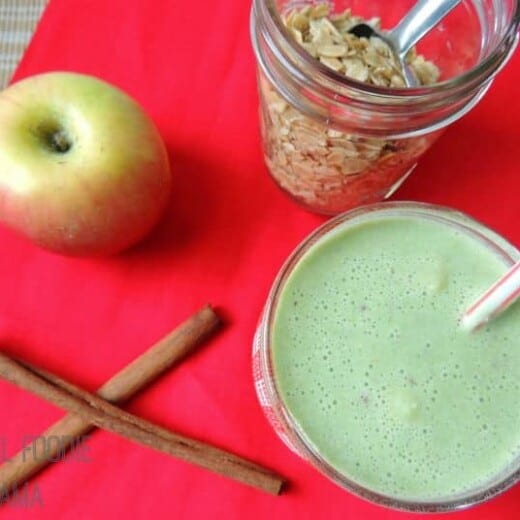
<point>333,143</point>
<point>264,376</point>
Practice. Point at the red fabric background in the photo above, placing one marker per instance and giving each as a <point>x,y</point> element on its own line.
<point>223,239</point>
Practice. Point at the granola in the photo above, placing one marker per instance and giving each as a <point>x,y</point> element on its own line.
<point>326,169</point>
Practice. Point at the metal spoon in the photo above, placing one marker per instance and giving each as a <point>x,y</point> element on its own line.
<point>423,17</point>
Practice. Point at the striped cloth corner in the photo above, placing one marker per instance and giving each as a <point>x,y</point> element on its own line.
<point>18,20</point>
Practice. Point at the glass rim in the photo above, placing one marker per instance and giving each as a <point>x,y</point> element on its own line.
<point>302,445</point>
<point>492,63</point>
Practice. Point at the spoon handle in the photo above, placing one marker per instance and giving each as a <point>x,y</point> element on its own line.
<point>422,17</point>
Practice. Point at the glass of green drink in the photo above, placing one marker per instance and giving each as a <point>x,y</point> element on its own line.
<point>363,369</point>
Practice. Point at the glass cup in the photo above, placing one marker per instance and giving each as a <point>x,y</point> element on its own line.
<point>270,398</point>
<point>332,143</point>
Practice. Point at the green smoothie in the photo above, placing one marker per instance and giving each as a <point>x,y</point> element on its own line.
<point>371,363</point>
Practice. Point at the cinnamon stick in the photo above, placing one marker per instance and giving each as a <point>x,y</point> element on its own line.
<point>108,416</point>
<point>130,380</point>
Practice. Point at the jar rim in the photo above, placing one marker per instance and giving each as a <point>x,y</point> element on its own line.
<point>488,67</point>
<point>447,216</point>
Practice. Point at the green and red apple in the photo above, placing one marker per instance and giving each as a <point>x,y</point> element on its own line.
<point>83,169</point>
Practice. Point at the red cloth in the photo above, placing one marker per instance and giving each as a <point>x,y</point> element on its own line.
<point>223,239</point>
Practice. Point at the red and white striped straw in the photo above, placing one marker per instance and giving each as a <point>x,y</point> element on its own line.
<point>494,301</point>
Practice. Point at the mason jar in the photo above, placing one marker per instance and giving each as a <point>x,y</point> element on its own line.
<point>332,142</point>
<point>300,435</point>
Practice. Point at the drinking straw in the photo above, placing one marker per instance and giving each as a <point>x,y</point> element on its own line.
<point>494,301</point>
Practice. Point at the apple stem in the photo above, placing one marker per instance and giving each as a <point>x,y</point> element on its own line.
<point>60,142</point>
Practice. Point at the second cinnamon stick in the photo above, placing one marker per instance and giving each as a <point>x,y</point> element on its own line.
<point>126,383</point>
